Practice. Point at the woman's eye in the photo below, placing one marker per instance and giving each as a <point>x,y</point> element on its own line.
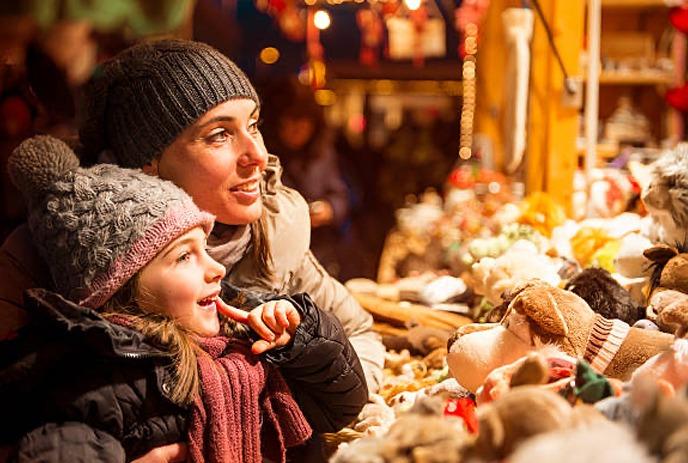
<point>255,125</point>
<point>217,136</point>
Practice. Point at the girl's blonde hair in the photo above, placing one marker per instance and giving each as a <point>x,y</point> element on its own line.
<point>165,332</point>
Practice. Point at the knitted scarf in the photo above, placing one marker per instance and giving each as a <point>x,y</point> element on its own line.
<point>245,410</point>
<point>227,244</point>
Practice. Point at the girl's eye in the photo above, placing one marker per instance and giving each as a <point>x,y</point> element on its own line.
<point>217,136</point>
<point>184,257</point>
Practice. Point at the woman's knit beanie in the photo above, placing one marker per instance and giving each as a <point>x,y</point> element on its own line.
<point>141,100</point>
<point>97,227</point>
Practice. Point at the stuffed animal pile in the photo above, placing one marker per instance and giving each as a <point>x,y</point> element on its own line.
<point>584,356</point>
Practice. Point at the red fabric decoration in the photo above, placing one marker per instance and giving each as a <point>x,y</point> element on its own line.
<point>678,98</point>
<point>463,408</point>
<point>678,17</point>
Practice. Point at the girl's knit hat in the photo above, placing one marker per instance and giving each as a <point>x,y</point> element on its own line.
<point>141,100</point>
<point>97,227</point>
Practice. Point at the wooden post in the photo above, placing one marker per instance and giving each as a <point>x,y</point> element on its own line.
<point>551,157</point>
<point>491,66</point>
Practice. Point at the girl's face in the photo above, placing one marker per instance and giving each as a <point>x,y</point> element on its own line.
<point>183,281</point>
<point>219,161</point>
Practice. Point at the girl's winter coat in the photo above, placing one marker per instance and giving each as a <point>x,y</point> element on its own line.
<point>75,387</point>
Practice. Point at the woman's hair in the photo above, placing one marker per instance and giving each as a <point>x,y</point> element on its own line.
<point>163,331</point>
<point>260,245</point>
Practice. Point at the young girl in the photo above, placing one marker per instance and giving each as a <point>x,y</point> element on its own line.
<point>139,350</point>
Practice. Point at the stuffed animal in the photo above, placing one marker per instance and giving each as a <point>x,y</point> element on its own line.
<point>668,302</point>
<point>605,295</point>
<point>663,424</point>
<point>521,414</point>
<point>542,314</point>
<point>413,438</point>
<point>600,441</point>
<point>666,197</point>
<point>547,367</point>
<point>522,262</point>
<point>668,369</point>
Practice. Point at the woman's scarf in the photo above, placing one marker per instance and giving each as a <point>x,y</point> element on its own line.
<point>227,244</point>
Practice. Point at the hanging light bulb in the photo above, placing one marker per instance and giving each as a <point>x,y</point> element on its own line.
<point>412,4</point>
<point>321,19</point>
<point>269,55</point>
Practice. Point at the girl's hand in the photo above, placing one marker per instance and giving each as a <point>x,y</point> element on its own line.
<point>275,322</point>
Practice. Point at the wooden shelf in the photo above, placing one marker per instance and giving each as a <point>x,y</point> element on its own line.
<point>633,3</point>
<point>636,78</point>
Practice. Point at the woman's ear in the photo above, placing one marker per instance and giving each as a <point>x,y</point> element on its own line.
<point>151,168</point>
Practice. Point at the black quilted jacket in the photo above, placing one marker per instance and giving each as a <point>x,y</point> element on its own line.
<point>74,387</point>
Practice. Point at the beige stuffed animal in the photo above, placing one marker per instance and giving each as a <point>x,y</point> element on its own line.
<point>520,263</point>
<point>540,314</point>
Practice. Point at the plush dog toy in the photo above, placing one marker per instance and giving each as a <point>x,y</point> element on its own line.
<point>541,314</point>
<point>668,302</point>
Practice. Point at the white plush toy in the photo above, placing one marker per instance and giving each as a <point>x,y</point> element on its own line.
<point>520,263</point>
<point>665,194</point>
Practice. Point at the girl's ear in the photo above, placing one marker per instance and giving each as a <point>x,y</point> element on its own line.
<point>151,168</point>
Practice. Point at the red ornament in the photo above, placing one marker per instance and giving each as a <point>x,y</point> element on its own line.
<point>678,17</point>
<point>370,24</point>
<point>15,117</point>
<point>678,98</point>
<point>463,408</point>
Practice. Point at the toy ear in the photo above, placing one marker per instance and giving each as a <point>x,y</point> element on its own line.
<point>675,316</point>
<point>538,304</point>
<point>660,253</point>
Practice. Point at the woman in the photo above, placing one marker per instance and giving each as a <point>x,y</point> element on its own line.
<point>184,112</point>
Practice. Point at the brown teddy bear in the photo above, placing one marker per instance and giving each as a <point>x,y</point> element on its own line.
<point>668,301</point>
<point>541,314</point>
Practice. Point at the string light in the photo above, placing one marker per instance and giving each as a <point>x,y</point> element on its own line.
<point>412,5</point>
<point>321,19</point>
<point>468,73</point>
<point>269,55</point>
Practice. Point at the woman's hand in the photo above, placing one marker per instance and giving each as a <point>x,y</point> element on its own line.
<point>275,322</point>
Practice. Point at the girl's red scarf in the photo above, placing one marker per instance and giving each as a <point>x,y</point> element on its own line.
<point>245,410</point>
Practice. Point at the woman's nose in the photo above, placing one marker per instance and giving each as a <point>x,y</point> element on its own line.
<point>254,153</point>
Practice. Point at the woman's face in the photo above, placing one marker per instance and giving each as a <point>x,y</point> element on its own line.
<point>219,161</point>
<point>183,281</point>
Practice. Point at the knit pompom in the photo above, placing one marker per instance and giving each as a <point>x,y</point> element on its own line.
<point>38,162</point>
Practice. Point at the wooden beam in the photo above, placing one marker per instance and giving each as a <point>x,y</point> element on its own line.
<point>551,158</point>
<point>491,67</point>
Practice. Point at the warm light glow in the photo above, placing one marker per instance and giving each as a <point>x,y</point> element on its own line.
<point>321,19</point>
<point>269,55</point>
<point>309,2</point>
<point>412,4</point>
<point>325,97</point>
